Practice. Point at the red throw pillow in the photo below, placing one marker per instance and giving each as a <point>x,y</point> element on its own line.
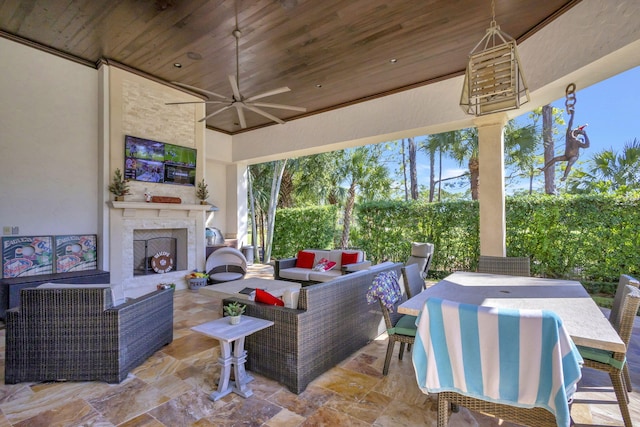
<point>329,265</point>
<point>349,257</point>
<point>305,259</point>
<point>267,298</point>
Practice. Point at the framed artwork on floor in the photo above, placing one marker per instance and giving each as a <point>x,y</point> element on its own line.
<point>76,252</point>
<point>26,256</point>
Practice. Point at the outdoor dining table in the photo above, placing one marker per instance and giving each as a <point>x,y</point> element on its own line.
<point>582,317</point>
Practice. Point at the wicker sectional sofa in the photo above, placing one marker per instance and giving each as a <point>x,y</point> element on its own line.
<point>332,321</point>
<point>289,269</point>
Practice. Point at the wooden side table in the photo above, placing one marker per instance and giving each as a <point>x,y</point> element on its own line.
<point>229,334</point>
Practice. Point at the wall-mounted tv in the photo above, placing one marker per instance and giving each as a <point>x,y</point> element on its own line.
<point>153,161</point>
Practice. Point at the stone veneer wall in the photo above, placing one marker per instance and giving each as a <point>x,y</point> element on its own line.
<point>145,115</point>
<point>137,107</point>
<point>139,285</point>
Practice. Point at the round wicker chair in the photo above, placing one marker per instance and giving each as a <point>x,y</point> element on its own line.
<point>226,264</point>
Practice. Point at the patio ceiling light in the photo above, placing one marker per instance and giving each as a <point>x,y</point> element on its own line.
<point>493,81</point>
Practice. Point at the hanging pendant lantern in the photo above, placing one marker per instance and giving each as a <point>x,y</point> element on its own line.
<point>493,81</point>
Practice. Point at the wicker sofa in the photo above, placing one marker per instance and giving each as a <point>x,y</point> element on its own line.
<point>76,334</point>
<point>332,321</point>
<point>288,268</point>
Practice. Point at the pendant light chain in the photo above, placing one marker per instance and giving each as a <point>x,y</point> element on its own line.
<point>493,13</point>
<point>236,34</point>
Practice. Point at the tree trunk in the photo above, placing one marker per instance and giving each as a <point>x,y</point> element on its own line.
<point>549,149</point>
<point>278,170</point>
<point>413,169</point>
<point>263,238</point>
<point>439,173</point>
<point>252,207</point>
<point>432,174</point>
<point>348,211</point>
<point>404,171</point>
<point>286,190</point>
<point>474,175</point>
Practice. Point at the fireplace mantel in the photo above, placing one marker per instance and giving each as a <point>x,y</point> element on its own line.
<point>130,209</point>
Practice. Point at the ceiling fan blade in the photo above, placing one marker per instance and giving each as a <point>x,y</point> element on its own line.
<point>263,113</point>
<point>234,88</point>
<point>243,122</point>
<point>280,106</point>
<point>269,93</point>
<point>196,102</point>
<point>208,92</point>
<point>214,113</point>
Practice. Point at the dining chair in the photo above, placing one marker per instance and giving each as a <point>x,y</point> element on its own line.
<point>517,365</point>
<point>400,327</point>
<point>421,254</point>
<point>614,317</point>
<point>413,281</point>
<point>513,266</point>
<point>614,362</point>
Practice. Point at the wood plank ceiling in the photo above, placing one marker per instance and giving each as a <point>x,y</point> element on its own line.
<point>330,53</point>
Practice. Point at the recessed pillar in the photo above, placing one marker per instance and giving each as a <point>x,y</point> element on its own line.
<point>491,186</point>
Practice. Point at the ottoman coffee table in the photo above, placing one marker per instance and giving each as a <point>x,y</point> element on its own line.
<point>277,288</point>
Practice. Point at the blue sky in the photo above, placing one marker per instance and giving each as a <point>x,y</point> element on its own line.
<point>610,108</point>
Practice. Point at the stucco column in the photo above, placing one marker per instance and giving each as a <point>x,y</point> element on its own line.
<point>236,212</point>
<point>491,186</point>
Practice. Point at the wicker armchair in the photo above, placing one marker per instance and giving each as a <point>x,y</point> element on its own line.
<point>513,266</point>
<point>612,362</point>
<point>75,334</point>
<point>226,264</point>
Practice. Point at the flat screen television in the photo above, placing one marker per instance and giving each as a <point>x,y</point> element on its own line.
<point>153,161</point>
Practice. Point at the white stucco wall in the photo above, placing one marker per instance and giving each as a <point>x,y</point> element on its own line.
<point>48,143</point>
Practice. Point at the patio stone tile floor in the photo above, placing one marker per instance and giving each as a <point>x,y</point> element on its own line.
<point>172,387</point>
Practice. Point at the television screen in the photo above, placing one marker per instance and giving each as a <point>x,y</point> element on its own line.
<point>153,161</point>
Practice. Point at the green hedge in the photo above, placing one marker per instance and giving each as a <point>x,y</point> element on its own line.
<point>388,228</point>
<point>590,238</point>
<point>300,228</point>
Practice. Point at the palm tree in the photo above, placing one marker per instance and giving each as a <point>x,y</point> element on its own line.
<point>611,171</point>
<point>442,142</point>
<point>278,170</point>
<point>521,144</point>
<point>465,146</point>
<point>362,171</point>
<point>260,176</point>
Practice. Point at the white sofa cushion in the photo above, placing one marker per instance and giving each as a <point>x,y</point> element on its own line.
<point>324,276</point>
<point>295,273</point>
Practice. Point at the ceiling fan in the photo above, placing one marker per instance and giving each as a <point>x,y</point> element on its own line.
<point>237,101</point>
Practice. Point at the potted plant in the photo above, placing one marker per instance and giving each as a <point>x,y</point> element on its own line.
<point>120,186</point>
<point>234,310</point>
<point>202,192</point>
<point>196,280</point>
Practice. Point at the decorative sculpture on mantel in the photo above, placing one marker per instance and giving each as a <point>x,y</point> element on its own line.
<point>575,139</point>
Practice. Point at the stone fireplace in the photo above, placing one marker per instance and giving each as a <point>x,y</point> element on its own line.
<point>159,251</point>
<point>134,226</point>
